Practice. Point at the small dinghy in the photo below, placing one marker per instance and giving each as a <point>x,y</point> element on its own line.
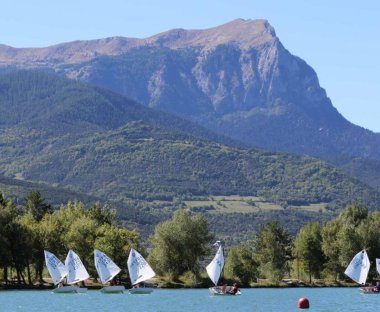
<point>139,271</point>
<point>77,271</point>
<point>218,291</point>
<point>68,289</point>
<point>358,269</point>
<point>58,272</point>
<point>373,290</point>
<point>107,270</point>
<point>214,270</point>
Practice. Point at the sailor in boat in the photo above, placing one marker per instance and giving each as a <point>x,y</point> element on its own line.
<point>376,288</point>
<point>234,289</point>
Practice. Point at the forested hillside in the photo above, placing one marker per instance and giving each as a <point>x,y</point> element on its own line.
<point>17,190</point>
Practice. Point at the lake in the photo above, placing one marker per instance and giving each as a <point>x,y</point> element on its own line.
<point>285,299</point>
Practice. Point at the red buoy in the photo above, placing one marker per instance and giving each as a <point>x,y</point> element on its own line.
<point>303,303</point>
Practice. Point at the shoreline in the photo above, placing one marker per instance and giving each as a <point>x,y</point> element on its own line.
<point>98,287</point>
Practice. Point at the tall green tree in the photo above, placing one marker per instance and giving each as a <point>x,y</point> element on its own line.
<point>353,214</point>
<point>81,238</point>
<point>341,238</point>
<point>52,233</point>
<point>32,245</point>
<point>273,251</point>
<point>308,249</point>
<point>36,206</point>
<point>20,244</point>
<point>8,215</point>
<point>179,243</point>
<point>241,264</point>
<point>369,233</point>
<point>102,214</point>
<point>331,248</point>
<point>116,243</point>
<point>15,243</point>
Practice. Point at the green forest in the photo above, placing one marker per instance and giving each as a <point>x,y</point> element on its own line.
<point>76,142</point>
<point>181,246</point>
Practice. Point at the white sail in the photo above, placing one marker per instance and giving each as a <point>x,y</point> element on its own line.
<point>107,269</point>
<point>358,268</point>
<point>378,265</point>
<point>77,271</point>
<point>139,269</point>
<point>56,268</point>
<point>214,269</point>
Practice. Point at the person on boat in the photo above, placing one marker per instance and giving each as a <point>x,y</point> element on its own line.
<point>376,288</point>
<point>234,289</point>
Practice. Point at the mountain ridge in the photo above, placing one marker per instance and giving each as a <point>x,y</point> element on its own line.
<point>236,79</point>
<point>78,50</point>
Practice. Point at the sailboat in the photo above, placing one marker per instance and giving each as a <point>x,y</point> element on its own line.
<point>77,271</point>
<point>214,270</point>
<point>58,272</point>
<point>107,270</point>
<point>358,269</point>
<point>139,271</point>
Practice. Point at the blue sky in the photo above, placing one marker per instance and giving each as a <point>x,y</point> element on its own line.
<point>339,39</point>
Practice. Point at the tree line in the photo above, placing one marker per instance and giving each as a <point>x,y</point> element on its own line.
<point>318,251</point>
<point>180,247</point>
<point>25,231</point>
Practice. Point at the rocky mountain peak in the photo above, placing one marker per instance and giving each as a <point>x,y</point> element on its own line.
<point>236,79</point>
<point>244,33</point>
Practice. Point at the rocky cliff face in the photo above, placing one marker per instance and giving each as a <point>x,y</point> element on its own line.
<point>236,79</point>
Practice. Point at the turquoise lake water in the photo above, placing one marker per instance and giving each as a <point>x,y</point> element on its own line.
<point>323,299</point>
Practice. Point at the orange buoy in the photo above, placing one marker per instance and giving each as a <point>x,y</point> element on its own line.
<point>303,303</point>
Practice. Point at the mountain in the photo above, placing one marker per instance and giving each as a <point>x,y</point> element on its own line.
<point>93,141</point>
<point>93,144</point>
<point>236,79</point>
<point>58,106</point>
<point>82,51</point>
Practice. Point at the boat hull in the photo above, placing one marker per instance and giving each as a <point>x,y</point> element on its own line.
<point>217,291</point>
<point>113,290</point>
<point>71,289</point>
<point>369,291</point>
<point>140,291</point>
